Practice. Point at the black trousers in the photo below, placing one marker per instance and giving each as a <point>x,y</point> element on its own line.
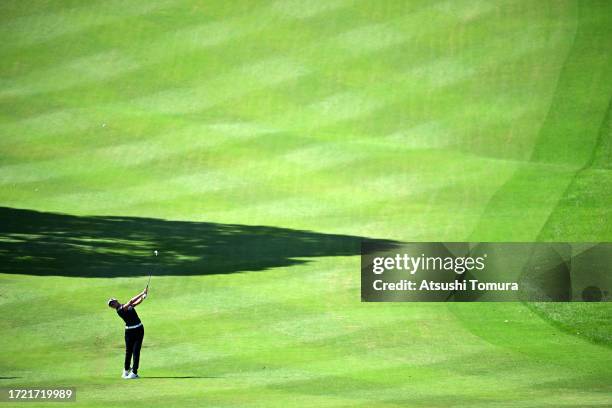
<point>133,343</point>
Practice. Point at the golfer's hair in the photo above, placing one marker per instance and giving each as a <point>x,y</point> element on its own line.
<point>111,300</point>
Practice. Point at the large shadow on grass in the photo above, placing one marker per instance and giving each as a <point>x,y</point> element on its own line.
<point>40,243</point>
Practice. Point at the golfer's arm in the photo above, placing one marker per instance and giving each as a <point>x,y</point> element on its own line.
<point>136,300</point>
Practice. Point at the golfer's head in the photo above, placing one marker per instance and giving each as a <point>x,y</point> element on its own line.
<point>114,303</point>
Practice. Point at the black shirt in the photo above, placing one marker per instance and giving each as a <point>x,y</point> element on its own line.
<point>129,315</point>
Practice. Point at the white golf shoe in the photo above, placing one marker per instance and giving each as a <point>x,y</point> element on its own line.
<point>132,376</point>
<point>125,374</point>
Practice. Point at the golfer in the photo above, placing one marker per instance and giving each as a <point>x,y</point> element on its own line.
<point>134,332</point>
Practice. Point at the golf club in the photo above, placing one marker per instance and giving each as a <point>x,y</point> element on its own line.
<point>151,273</point>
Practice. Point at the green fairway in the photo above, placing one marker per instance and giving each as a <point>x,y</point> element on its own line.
<point>254,144</point>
